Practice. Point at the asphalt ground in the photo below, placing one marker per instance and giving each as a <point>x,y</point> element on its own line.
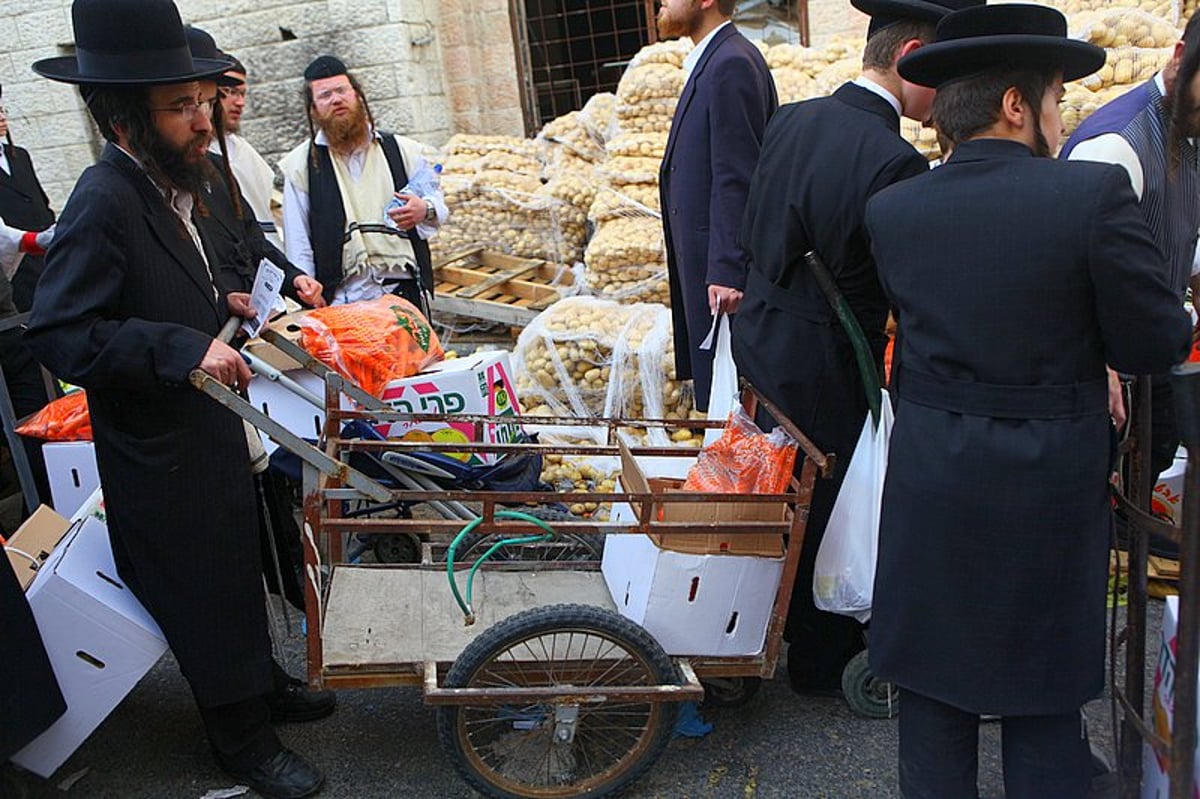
<point>383,743</point>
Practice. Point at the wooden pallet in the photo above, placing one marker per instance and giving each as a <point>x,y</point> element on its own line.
<point>496,287</point>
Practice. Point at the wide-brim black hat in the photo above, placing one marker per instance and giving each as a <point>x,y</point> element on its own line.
<point>203,47</point>
<point>1005,36</point>
<point>128,43</point>
<point>887,12</point>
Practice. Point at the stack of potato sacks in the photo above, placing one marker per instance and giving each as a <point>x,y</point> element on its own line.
<point>497,200</point>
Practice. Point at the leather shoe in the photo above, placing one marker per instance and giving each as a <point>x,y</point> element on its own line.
<point>284,775</point>
<point>293,702</point>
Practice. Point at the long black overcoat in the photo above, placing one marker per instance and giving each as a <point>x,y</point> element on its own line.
<point>126,309</point>
<point>705,175</point>
<point>1016,280</point>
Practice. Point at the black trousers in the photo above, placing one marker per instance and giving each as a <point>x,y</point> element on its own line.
<point>240,733</point>
<point>1164,434</point>
<point>23,376</point>
<point>1043,756</point>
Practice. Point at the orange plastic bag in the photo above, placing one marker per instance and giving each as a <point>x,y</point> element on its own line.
<point>371,342</point>
<point>744,460</point>
<point>64,419</point>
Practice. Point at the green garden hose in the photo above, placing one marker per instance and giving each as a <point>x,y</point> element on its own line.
<point>465,604</point>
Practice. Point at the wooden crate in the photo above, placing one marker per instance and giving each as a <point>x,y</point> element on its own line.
<point>496,287</point>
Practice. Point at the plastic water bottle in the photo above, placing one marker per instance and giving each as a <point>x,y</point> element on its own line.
<point>422,183</point>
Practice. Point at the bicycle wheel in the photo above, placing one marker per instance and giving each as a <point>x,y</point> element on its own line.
<point>555,748</point>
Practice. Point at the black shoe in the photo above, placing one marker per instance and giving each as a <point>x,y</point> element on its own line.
<point>293,702</point>
<point>284,775</point>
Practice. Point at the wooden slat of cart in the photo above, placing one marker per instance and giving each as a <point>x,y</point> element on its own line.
<point>497,287</point>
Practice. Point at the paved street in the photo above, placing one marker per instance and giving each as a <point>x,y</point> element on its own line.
<point>383,743</point>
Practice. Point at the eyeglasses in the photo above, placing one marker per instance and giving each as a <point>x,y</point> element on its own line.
<point>3,111</point>
<point>188,110</point>
<point>337,91</point>
<point>229,91</point>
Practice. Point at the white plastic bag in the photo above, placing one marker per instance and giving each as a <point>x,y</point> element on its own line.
<point>844,578</point>
<point>722,394</point>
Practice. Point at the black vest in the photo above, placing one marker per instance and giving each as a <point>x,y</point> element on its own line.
<point>327,217</point>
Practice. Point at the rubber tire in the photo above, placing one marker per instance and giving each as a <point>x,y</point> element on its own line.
<point>499,637</point>
<point>396,548</point>
<point>864,694</point>
<point>739,691</point>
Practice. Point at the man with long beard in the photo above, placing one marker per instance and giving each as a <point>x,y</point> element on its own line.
<point>127,308</point>
<point>337,186</point>
<point>705,173</point>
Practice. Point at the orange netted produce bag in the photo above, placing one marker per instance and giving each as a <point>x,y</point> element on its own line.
<point>744,460</point>
<point>64,419</point>
<point>371,342</point>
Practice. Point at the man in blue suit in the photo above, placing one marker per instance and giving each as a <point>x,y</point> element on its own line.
<point>705,176</point>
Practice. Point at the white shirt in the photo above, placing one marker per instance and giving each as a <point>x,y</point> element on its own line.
<point>10,248</point>
<point>255,178</point>
<point>4,159</point>
<point>875,88</point>
<point>693,58</point>
<point>297,234</point>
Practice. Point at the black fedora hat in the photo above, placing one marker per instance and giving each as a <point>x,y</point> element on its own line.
<point>128,42</point>
<point>204,47</point>
<point>1006,36</point>
<point>887,12</point>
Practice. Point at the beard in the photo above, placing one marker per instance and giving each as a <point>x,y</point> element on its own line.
<point>345,132</point>
<point>676,25</point>
<point>183,168</point>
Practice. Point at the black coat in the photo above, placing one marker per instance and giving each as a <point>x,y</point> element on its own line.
<point>821,161</point>
<point>24,206</point>
<point>126,309</point>
<point>30,700</point>
<point>704,178</point>
<point>238,244</point>
<point>1016,280</point>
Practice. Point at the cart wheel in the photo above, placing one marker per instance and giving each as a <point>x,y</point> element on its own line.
<point>558,748</point>
<point>866,695</point>
<point>730,691</point>
<point>397,548</point>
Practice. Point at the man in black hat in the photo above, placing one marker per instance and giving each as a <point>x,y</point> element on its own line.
<point>821,160</point>
<point>993,544</point>
<point>254,175</point>
<point>127,309</point>
<point>25,208</point>
<point>337,186</point>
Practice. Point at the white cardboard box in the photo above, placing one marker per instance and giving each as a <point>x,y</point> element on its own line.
<point>1155,784</point>
<point>100,640</point>
<point>1167,499</point>
<point>478,384</point>
<point>295,413</point>
<point>72,473</point>
<point>692,604</point>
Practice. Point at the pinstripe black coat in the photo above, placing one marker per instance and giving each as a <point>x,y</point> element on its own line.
<point>126,309</point>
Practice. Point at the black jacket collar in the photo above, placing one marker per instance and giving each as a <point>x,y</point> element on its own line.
<point>987,149</point>
<point>866,100</point>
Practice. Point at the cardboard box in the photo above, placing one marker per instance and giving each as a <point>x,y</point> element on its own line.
<point>72,473</point>
<point>100,640</point>
<point>295,413</point>
<point>33,543</point>
<point>727,541</point>
<point>692,604</point>
<point>1167,500</point>
<point>289,326</point>
<point>479,384</point>
<point>1155,781</point>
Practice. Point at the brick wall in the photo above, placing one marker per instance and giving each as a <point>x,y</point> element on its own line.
<point>430,68</point>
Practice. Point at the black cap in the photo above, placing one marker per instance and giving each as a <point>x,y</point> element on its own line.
<point>237,67</point>
<point>884,13</point>
<point>324,66</point>
<point>1003,36</point>
<point>203,46</point>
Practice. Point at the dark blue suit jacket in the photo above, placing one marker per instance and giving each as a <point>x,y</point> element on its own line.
<point>711,154</point>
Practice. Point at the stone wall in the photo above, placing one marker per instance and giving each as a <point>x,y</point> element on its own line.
<point>430,68</point>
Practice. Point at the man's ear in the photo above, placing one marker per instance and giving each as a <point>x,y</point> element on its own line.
<point>1013,108</point>
<point>906,48</point>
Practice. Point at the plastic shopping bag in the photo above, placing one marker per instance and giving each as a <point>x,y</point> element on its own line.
<point>844,578</point>
<point>64,419</point>
<point>744,460</point>
<point>723,393</point>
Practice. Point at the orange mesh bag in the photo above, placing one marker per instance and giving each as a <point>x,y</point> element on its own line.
<point>64,419</point>
<point>371,342</point>
<point>744,460</point>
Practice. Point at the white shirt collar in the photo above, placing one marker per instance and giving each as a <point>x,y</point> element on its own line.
<point>872,86</point>
<point>323,140</point>
<point>692,58</point>
<point>1158,82</point>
